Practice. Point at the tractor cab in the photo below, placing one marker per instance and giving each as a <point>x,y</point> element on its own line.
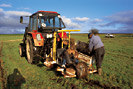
<point>44,21</point>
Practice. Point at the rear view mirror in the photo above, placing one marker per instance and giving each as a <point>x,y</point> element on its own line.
<point>21,19</point>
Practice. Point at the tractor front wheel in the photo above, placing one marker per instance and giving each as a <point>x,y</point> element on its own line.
<point>29,50</point>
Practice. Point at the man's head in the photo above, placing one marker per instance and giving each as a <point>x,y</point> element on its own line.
<point>91,32</point>
<point>94,31</point>
<point>90,35</point>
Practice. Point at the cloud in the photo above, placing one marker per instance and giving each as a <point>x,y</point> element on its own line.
<point>9,21</point>
<point>5,5</point>
<point>122,22</point>
<point>122,18</point>
<point>117,31</point>
<point>81,19</point>
<point>69,23</point>
<point>11,30</point>
<point>23,8</point>
<point>1,9</point>
<point>117,23</point>
<point>18,13</point>
<point>82,23</point>
<point>96,20</point>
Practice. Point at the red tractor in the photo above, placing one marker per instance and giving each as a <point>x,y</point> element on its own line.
<point>39,34</point>
<point>45,40</point>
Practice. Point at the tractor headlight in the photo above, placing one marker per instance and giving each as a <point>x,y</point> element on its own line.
<point>49,36</point>
<point>38,36</point>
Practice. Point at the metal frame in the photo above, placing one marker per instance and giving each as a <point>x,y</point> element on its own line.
<point>69,35</point>
<point>54,42</point>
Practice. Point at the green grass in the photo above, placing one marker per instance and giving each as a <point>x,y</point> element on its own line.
<point>117,66</point>
<point>6,37</point>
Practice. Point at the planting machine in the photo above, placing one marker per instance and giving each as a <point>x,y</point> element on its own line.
<point>45,41</point>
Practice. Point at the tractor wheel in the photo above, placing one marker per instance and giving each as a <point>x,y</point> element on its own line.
<point>81,70</point>
<point>21,50</point>
<point>29,50</point>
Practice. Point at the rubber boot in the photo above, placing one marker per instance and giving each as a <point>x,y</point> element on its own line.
<point>99,71</point>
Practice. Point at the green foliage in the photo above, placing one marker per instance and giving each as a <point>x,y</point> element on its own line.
<point>117,66</point>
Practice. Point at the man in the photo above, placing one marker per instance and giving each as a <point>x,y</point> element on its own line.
<point>96,48</point>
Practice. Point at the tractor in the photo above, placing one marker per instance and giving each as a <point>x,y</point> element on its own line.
<point>45,40</point>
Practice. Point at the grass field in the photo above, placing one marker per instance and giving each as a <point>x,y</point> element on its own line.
<point>16,73</point>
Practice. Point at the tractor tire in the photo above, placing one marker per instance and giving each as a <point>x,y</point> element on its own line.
<point>81,70</point>
<point>29,50</point>
<point>21,49</point>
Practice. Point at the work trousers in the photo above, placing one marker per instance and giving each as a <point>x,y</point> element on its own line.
<point>99,55</point>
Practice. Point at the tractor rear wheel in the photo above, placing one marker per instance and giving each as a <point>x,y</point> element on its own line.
<point>81,70</point>
<point>29,50</point>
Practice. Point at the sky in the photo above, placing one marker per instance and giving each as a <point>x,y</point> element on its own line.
<point>108,16</point>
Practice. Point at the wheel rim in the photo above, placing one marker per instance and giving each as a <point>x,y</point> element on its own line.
<point>28,51</point>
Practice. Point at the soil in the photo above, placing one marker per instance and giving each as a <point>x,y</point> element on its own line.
<point>98,84</point>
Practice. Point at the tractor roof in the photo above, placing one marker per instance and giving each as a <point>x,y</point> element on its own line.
<point>46,12</point>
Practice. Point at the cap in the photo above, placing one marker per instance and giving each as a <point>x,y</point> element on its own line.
<point>94,31</point>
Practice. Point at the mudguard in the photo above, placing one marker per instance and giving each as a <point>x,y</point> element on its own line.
<point>37,42</point>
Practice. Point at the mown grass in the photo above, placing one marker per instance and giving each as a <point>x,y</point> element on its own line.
<point>117,66</point>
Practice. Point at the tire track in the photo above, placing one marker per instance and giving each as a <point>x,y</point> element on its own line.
<point>2,79</point>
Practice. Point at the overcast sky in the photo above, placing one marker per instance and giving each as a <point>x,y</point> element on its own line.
<point>108,16</point>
